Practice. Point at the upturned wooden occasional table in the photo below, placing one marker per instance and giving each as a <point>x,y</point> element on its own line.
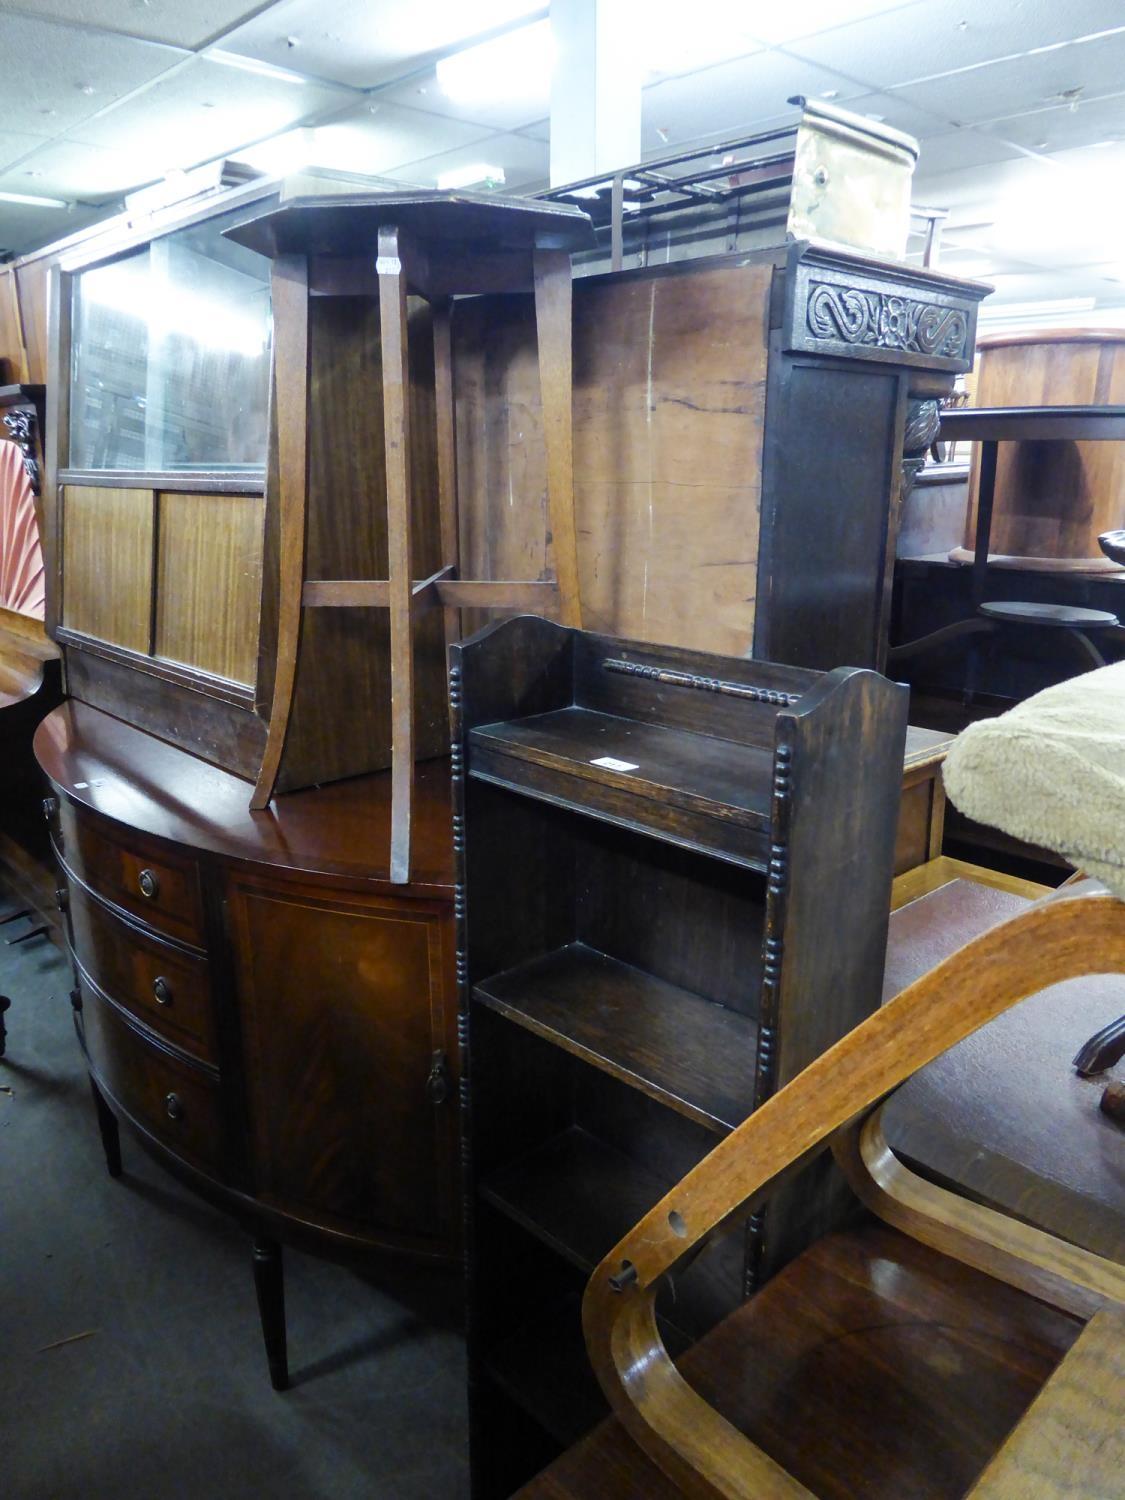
<point>991,426</point>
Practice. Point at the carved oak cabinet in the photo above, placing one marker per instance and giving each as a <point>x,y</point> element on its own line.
<point>272,1017</point>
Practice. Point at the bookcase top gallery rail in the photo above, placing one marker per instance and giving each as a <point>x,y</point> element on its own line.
<point>674,743</point>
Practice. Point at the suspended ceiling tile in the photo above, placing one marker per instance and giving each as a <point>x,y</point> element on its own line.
<point>14,145</point>
<point>779,24</point>
<point>363,42</point>
<point>735,98</point>
<point>538,130</point>
<point>65,75</point>
<point>184,23</point>
<point>516,108</point>
<point>1087,70</point>
<point>207,109</point>
<point>940,36</point>
<point>900,113</point>
<point>526,163</point>
<point>384,139</point>
<point>75,170</point>
<point>957,149</point>
<point>1064,128</point>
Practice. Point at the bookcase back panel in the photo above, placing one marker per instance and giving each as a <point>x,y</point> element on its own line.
<point>687,919</point>
<point>669,405</point>
<point>209,582</point>
<point>107,563</point>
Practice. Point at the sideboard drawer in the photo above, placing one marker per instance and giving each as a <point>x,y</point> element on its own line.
<point>154,884</point>
<point>167,988</point>
<point>177,1102</point>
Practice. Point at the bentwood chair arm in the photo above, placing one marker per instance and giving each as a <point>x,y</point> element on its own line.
<point>1054,940</point>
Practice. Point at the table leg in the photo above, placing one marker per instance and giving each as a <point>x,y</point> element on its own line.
<point>269,1283</point>
<point>110,1133</point>
<point>986,493</point>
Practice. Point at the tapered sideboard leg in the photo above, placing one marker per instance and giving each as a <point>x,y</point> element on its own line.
<point>110,1134</point>
<point>269,1283</point>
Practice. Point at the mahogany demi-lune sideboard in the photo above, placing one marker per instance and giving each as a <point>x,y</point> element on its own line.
<point>274,1019</point>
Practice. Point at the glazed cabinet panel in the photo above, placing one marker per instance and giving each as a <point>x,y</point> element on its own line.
<point>348,1022</point>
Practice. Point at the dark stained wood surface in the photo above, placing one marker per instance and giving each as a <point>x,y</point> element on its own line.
<point>179,1103</point>
<point>1035,423</point>
<point>165,987</point>
<point>343,225</point>
<point>156,789</point>
<point>1003,1115</point>
<point>155,885</point>
<point>871,1368</point>
<point>576,1193</point>
<point>696,1057</point>
<point>343,1004</point>
<point>926,931</point>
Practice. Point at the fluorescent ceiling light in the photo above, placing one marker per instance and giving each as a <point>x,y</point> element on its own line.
<point>252,65</point>
<point>32,201</point>
<point>477,171</point>
<point>515,65</point>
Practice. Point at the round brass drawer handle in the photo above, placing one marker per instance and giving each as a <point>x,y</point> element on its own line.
<point>149,884</point>
<point>174,1106</point>
<point>161,990</point>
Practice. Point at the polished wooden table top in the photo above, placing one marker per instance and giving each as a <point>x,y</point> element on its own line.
<point>153,787</point>
<point>990,424</point>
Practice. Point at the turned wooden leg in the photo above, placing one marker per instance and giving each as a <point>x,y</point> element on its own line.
<point>111,1136</point>
<point>269,1283</point>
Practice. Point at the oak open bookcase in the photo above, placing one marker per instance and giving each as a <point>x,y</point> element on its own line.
<point>676,873</point>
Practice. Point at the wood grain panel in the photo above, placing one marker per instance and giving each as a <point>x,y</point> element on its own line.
<point>209,582</point>
<point>669,400</point>
<point>31,283</point>
<point>107,563</point>
<point>1053,499</point>
<point>333,733</point>
<point>162,1092</point>
<point>12,366</point>
<point>342,1010</point>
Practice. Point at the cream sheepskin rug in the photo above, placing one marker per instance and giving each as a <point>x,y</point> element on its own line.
<point>1052,771</point>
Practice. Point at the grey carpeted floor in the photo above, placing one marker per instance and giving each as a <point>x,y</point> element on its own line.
<point>168,1395</point>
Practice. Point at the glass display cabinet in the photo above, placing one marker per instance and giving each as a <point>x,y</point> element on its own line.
<point>156,482</point>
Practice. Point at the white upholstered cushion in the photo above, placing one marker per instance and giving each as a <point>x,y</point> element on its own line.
<point>1052,771</point>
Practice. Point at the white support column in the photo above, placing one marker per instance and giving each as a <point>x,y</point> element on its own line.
<point>596,93</point>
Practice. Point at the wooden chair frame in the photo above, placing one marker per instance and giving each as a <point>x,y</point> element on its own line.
<point>834,1102</point>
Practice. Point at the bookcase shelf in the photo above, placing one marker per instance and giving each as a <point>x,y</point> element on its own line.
<point>702,792</point>
<point>575,1193</point>
<point>696,1057</point>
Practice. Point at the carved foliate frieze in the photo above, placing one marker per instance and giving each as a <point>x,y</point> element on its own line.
<point>886,321</point>
<point>850,307</point>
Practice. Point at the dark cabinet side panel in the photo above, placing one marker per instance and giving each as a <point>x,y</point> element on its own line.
<point>832,488</point>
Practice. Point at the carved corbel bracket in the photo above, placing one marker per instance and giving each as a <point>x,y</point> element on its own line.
<point>19,427</point>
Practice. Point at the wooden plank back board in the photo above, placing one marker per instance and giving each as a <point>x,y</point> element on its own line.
<point>669,409</point>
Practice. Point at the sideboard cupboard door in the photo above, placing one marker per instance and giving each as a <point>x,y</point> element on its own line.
<point>348,1015</point>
